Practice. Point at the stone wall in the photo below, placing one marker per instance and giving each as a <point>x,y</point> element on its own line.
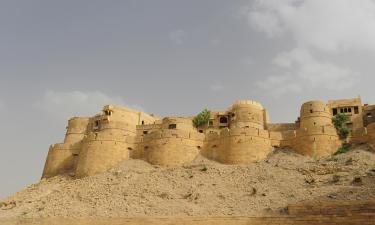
<point>241,135</point>
<point>175,143</point>
<point>316,135</point>
<point>238,145</point>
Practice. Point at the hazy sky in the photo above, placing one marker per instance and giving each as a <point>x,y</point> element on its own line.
<point>67,58</point>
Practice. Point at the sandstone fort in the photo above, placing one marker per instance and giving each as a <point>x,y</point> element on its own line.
<point>242,134</point>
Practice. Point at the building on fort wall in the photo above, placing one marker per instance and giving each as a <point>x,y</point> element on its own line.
<point>242,134</point>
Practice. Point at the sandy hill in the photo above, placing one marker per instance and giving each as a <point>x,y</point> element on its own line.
<point>202,188</point>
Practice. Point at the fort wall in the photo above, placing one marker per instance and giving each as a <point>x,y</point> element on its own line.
<point>175,143</point>
<point>247,114</point>
<point>243,145</point>
<point>62,157</point>
<point>316,136</point>
<point>112,138</point>
<point>241,135</point>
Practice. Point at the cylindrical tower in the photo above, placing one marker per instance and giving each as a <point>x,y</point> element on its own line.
<point>76,130</point>
<point>247,113</point>
<point>176,143</point>
<point>108,144</point>
<point>316,135</point>
<point>62,158</point>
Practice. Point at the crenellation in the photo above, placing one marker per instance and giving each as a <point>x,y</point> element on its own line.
<point>242,134</point>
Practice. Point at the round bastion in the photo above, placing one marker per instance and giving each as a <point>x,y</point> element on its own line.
<point>316,135</point>
<point>176,143</point>
<point>247,113</point>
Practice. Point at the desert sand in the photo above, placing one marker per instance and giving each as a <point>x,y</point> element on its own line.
<point>200,189</point>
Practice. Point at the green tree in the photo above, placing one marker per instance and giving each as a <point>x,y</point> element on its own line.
<point>340,120</point>
<point>202,118</point>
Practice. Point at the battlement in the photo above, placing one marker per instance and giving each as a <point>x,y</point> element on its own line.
<point>242,103</point>
<point>240,135</point>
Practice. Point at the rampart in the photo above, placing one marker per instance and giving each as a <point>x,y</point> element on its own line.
<point>242,134</point>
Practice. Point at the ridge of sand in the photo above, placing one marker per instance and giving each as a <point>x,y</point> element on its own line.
<point>202,188</point>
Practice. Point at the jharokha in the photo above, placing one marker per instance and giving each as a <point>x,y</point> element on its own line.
<point>243,134</point>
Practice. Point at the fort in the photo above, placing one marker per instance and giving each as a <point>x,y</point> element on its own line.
<point>242,134</point>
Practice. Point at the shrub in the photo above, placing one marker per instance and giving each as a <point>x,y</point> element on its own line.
<point>202,118</point>
<point>344,132</point>
<point>343,149</point>
<point>339,120</point>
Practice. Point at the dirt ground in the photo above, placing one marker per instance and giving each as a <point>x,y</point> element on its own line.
<point>202,188</point>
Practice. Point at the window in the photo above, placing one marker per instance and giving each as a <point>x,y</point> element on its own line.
<point>210,123</point>
<point>143,122</point>
<point>334,111</point>
<point>350,110</point>
<point>311,111</point>
<point>108,112</point>
<point>356,110</point>
<point>145,132</point>
<point>97,123</point>
<point>200,131</point>
<point>223,119</point>
<point>341,110</point>
<point>345,110</point>
<point>172,126</point>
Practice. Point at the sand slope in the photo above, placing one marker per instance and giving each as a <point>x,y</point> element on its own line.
<point>202,188</point>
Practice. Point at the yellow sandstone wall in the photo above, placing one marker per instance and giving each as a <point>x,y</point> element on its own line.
<point>316,136</point>
<point>245,141</point>
<point>243,145</point>
<point>96,144</point>
<point>171,147</point>
<point>62,158</point>
<point>112,137</point>
<point>248,113</point>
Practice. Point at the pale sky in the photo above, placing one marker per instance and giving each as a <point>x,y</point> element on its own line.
<point>169,57</point>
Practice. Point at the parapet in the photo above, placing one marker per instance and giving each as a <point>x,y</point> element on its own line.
<point>247,103</point>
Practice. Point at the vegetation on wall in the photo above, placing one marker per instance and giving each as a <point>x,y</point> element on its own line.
<point>343,149</point>
<point>340,120</point>
<point>202,118</point>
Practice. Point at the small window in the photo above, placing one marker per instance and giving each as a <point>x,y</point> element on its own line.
<point>356,110</point>
<point>210,123</point>
<point>143,122</point>
<point>314,123</point>
<point>172,126</point>
<point>311,111</point>
<point>350,110</point>
<point>345,110</point>
<point>334,111</point>
<point>341,110</point>
<point>130,149</point>
<point>97,123</point>
<point>146,147</point>
<point>145,132</point>
<point>200,131</point>
<point>223,119</point>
